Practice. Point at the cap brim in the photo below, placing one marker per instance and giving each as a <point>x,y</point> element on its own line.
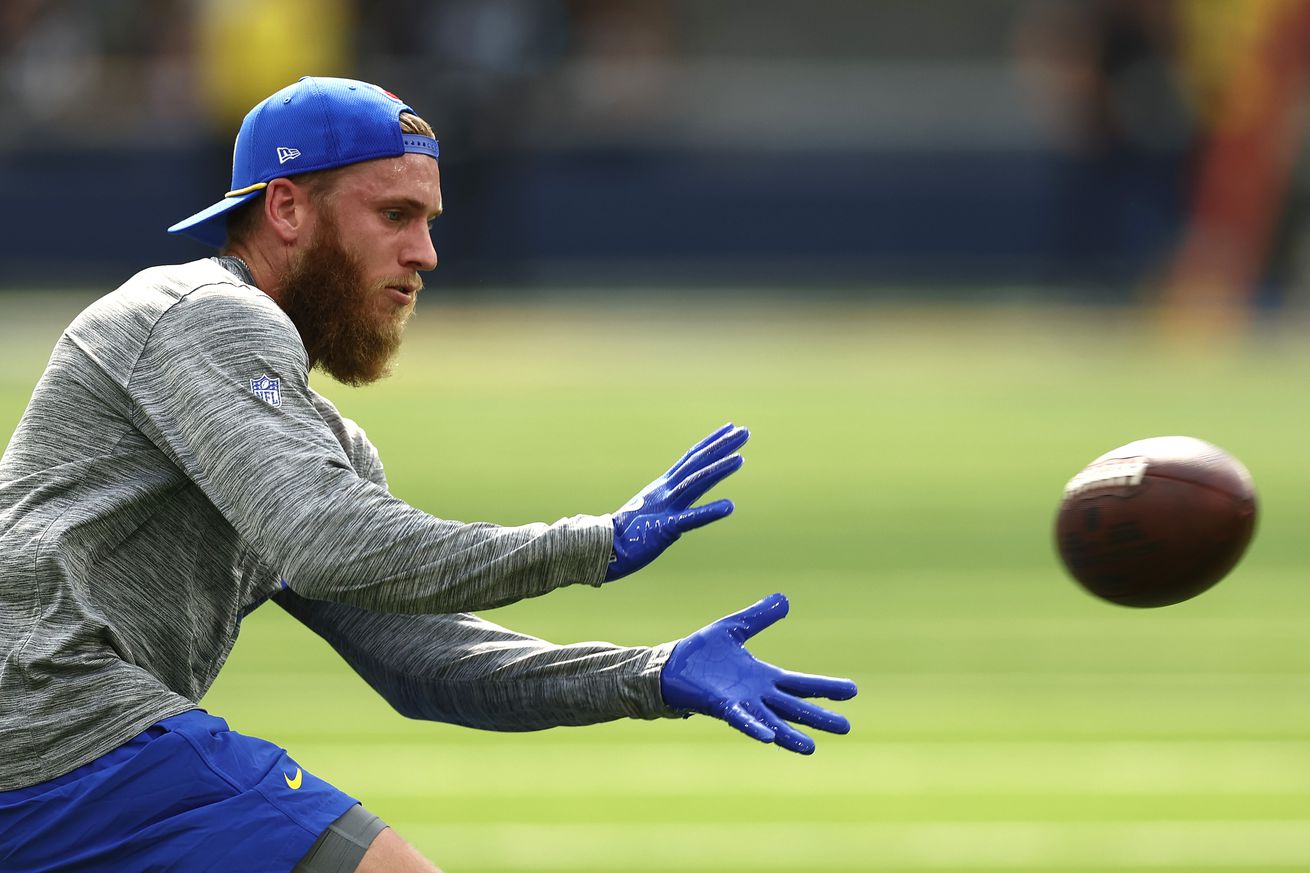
<point>209,226</point>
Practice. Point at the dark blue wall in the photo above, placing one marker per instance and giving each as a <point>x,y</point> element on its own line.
<point>635,217</point>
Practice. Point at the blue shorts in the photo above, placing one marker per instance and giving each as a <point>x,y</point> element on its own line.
<point>186,794</point>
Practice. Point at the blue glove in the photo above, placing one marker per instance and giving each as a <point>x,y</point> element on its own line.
<point>649,523</point>
<point>711,672</point>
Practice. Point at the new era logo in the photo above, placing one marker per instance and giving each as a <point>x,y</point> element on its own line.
<point>286,154</point>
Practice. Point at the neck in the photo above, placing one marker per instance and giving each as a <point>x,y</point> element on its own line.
<point>259,267</point>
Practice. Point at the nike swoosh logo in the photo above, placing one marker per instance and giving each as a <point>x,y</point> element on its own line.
<point>293,783</point>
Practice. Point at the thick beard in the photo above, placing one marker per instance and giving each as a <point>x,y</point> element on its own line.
<point>326,298</point>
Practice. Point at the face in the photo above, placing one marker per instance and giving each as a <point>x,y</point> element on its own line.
<point>353,283</point>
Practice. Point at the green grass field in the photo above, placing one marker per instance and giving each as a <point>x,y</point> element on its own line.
<point>899,487</point>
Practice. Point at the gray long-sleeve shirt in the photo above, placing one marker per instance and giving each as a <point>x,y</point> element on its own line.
<point>174,465</point>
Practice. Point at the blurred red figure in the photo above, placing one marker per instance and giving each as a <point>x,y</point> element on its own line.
<point>1242,181</point>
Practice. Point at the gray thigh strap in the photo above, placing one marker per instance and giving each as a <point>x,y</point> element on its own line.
<point>341,847</point>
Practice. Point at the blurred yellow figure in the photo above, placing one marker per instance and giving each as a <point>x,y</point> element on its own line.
<point>251,48</point>
<point>1217,42</point>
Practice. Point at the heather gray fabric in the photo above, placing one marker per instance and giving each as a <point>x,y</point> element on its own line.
<point>149,498</point>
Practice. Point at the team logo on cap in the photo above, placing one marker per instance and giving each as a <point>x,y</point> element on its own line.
<point>285,154</point>
<point>267,390</point>
<point>382,90</point>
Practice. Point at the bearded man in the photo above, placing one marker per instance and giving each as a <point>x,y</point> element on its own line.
<point>174,470</point>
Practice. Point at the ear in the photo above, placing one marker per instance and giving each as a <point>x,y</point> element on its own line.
<point>288,209</point>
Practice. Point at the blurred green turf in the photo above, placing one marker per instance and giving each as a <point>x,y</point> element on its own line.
<point>899,487</point>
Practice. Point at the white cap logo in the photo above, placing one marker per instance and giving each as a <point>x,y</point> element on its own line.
<point>286,154</point>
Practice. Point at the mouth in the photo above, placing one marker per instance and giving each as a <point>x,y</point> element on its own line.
<point>403,295</point>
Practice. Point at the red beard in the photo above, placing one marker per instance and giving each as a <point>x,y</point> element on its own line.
<point>328,301</point>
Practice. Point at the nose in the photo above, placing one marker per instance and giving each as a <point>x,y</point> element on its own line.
<point>420,254</point>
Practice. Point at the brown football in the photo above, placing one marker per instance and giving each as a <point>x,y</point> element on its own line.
<point>1156,521</point>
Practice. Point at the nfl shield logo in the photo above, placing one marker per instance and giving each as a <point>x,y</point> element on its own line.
<point>267,390</point>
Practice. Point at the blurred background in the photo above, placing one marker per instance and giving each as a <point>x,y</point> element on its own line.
<point>1090,149</point>
<point>937,254</point>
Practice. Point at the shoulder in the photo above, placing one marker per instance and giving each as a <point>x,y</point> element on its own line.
<point>212,312</point>
<point>194,304</point>
<point>147,296</point>
<point>221,301</point>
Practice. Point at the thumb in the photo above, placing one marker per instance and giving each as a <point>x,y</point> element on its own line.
<point>756,617</point>
<point>699,516</point>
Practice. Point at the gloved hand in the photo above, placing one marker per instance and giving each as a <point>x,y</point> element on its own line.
<point>662,511</point>
<point>710,672</point>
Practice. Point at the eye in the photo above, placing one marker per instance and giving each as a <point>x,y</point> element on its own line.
<point>393,215</point>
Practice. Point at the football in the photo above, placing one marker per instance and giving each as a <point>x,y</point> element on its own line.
<point>1157,521</point>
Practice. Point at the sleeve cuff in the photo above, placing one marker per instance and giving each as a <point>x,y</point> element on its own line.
<point>651,700</point>
<point>600,548</point>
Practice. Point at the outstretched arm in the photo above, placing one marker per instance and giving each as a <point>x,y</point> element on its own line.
<point>461,669</point>
<point>711,672</point>
<point>288,487</point>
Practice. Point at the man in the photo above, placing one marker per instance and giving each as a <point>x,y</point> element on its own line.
<point>174,470</point>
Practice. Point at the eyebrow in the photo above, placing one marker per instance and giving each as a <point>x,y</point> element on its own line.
<point>414,205</point>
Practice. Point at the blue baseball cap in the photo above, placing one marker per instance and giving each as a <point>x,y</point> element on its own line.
<point>315,124</point>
